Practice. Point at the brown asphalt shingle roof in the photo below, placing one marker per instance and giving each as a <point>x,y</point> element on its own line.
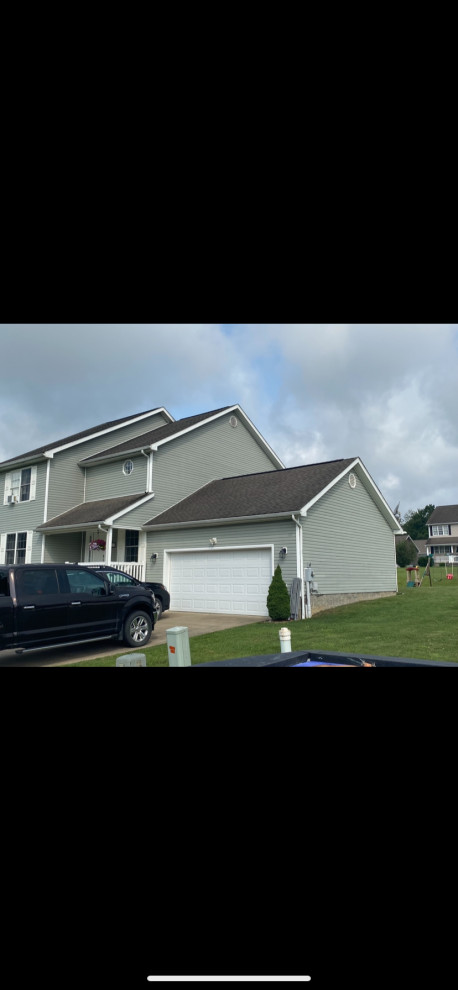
<point>152,436</point>
<point>266,492</point>
<point>444,514</point>
<point>92,512</point>
<point>75,436</point>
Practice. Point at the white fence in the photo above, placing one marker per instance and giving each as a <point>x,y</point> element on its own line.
<point>134,568</point>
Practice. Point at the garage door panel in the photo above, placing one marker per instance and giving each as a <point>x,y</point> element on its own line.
<point>234,582</point>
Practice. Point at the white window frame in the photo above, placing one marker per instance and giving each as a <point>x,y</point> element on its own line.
<point>128,473</point>
<point>440,530</point>
<point>28,546</point>
<point>13,485</point>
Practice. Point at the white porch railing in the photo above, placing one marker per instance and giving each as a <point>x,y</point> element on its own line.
<point>136,569</point>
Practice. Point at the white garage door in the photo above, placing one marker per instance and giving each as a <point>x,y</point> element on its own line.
<point>233,581</point>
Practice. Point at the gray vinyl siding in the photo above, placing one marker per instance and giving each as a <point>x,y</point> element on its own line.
<point>214,450</point>
<point>279,533</point>
<point>23,516</point>
<point>58,549</point>
<point>108,480</point>
<point>348,542</point>
<point>66,482</point>
<point>136,518</point>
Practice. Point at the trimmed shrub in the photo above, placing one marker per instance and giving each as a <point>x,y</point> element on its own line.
<point>423,561</point>
<point>278,603</point>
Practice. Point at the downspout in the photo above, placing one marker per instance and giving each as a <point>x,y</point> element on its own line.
<point>149,470</point>
<point>395,563</point>
<point>300,566</point>
<point>45,510</point>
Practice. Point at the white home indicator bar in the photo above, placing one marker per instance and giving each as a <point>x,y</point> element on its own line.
<point>228,979</point>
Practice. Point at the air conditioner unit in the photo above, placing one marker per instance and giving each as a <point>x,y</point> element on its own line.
<point>12,499</point>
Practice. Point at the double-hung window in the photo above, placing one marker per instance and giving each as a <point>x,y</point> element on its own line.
<point>20,485</point>
<point>131,551</point>
<point>443,530</point>
<point>15,548</point>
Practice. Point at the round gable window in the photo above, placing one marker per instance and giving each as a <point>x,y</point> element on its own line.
<point>233,422</point>
<point>128,467</point>
<point>352,480</point>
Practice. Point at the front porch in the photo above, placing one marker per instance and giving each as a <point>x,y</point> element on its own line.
<point>113,547</point>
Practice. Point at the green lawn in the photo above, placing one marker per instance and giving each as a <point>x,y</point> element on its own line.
<point>417,622</point>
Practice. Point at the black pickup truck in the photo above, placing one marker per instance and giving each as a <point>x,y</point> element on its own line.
<point>62,604</point>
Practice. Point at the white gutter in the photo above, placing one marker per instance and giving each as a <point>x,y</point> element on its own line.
<point>300,560</point>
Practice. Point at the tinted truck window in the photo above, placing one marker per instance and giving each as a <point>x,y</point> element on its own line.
<point>84,583</point>
<point>34,582</point>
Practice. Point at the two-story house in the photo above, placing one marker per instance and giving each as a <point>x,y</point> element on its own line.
<point>442,541</point>
<point>203,504</point>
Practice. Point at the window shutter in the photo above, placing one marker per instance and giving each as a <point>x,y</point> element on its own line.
<point>33,481</point>
<point>7,487</point>
<point>28,548</point>
<point>2,547</point>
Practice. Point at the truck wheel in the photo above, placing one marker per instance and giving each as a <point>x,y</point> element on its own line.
<point>137,629</point>
<point>158,608</point>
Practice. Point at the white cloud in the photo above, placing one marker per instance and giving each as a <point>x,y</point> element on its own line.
<point>315,391</point>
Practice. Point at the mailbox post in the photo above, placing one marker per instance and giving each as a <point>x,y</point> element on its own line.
<point>178,650</point>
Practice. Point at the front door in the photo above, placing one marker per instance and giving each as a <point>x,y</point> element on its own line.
<point>98,554</point>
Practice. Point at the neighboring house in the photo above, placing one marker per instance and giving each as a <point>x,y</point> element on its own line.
<point>442,539</point>
<point>203,504</point>
<point>417,544</point>
<point>421,547</point>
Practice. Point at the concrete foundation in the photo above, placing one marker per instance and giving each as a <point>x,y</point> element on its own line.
<point>320,603</point>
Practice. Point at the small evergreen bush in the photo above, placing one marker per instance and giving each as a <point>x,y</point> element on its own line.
<point>423,561</point>
<point>278,603</point>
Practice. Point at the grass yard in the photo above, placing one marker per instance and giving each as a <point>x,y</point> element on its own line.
<point>417,622</point>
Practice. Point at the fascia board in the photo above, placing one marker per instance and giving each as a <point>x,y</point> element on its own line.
<point>328,487</point>
<point>75,527</point>
<point>195,426</point>
<point>33,459</point>
<point>384,505</point>
<point>88,462</point>
<point>224,412</point>
<point>110,519</point>
<point>221,521</point>
<point>93,436</point>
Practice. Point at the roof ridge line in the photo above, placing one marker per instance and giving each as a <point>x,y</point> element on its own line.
<point>294,467</point>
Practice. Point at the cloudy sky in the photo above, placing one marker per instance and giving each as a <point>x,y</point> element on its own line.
<point>385,393</point>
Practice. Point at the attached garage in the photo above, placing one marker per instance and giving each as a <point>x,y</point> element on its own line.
<point>217,549</point>
<point>225,581</point>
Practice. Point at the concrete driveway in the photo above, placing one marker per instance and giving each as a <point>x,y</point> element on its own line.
<point>197,623</point>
